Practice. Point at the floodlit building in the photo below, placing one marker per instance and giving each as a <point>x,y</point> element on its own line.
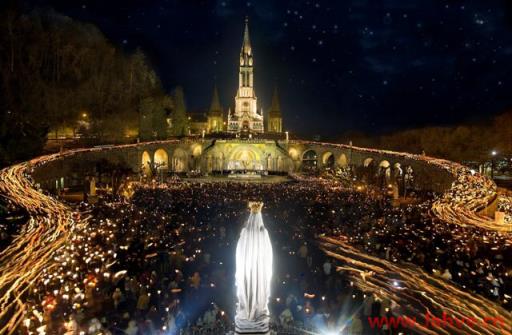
<point>245,117</point>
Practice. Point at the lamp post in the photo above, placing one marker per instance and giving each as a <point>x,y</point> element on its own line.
<point>493,154</point>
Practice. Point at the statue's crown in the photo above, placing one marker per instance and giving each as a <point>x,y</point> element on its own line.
<point>255,206</point>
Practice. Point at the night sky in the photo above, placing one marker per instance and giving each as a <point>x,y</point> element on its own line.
<point>363,65</point>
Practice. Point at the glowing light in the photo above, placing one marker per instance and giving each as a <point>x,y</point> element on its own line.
<point>253,274</point>
<point>428,292</point>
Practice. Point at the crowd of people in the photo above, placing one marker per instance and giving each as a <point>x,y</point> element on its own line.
<point>162,262</point>
<point>470,189</point>
<point>505,205</point>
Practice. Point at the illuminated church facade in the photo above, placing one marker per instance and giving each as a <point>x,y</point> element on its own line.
<point>247,116</point>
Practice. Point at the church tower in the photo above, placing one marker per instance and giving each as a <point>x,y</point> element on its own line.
<point>274,118</point>
<point>215,114</point>
<point>246,117</point>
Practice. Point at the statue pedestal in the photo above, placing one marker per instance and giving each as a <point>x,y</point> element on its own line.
<point>260,326</point>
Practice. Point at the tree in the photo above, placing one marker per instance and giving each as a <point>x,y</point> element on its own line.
<point>153,122</point>
<point>53,69</point>
<point>180,124</point>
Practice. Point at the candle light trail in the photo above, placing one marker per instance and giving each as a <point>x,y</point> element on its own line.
<point>45,241</point>
<point>462,203</point>
<point>418,293</point>
<point>24,261</point>
<point>30,256</point>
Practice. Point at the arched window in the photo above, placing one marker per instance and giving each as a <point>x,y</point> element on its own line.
<point>146,163</point>
<point>328,160</point>
<point>161,159</point>
<point>309,160</point>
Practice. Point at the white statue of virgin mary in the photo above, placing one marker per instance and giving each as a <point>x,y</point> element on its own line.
<point>253,274</point>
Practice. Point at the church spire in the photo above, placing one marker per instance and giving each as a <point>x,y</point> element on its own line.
<point>246,46</point>
<point>246,117</point>
<point>275,120</point>
<point>275,107</point>
<point>215,105</point>
<point>246,52</point>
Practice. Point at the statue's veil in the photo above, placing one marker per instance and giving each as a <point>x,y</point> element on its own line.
<point>253,274</point>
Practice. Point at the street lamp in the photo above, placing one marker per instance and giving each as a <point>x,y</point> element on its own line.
<point>493,154</point>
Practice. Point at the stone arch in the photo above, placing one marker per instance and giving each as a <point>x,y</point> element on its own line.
<point>368,162</point>
<point>294,153</point>
<point>384,172</point>
<point>385,164</point>
<point>208,163</point>
<point>196,150</point>
<point>409,177</point>
<point>309,160</point>
<point>218,161</point>
<point>328,160</point>
<point>280,164</point>
<point>146,163</point>
<point>398,176</point>
<point>397,170</point>
<point>245,157</point>
<point>161,159</point>
<point>368,169</point>
<point>342,160</point>
<point>179,160</point>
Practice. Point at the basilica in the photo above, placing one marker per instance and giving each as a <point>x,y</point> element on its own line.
<point>247,116</point>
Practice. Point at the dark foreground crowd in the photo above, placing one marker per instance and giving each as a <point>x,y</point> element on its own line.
<point>163,262</point>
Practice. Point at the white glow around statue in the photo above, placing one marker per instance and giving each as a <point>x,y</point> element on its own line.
<point>253,274</point>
